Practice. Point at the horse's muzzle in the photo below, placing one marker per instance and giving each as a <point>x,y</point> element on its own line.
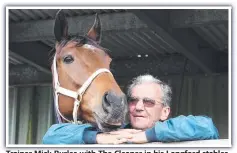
<point>113,111</point>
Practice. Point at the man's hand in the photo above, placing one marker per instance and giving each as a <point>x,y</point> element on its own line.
<point>125,131</point>
<point>138,138</point>
<point>122,136</point>
<point>107,138</point>
<point>135,136</point>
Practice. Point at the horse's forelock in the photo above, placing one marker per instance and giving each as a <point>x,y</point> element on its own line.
<point>79,41</point>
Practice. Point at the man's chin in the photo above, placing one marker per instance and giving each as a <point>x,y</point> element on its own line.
<point>139,124</point>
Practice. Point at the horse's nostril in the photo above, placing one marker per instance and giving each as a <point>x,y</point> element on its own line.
<point>111,101</point>
<point>106,103</point>
<point>113,110</point>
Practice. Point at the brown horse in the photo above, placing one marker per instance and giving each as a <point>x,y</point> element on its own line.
<point>85,89</point>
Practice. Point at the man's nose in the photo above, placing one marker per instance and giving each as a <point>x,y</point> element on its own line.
<point>140,105</point>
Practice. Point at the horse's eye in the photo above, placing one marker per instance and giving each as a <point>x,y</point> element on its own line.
<point>68,59</point>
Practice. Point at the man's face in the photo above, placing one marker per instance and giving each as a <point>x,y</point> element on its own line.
<point>145,106</point>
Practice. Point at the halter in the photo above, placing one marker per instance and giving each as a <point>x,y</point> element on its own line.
<point>76,95</point>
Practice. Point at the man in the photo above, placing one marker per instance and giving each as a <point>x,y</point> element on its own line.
<point>149,108</point>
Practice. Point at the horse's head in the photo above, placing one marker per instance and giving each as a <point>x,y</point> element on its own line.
<point>82,80</point>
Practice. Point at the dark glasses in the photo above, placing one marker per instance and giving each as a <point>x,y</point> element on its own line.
<point>147,102</point>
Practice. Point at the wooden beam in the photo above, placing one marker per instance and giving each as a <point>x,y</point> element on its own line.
<point>196,18</point>
<point>24,74</point>
<point>27,61</point>
<point>162,66</point>
<point>176,39</point>
<point>43,29</point>
<point>36,52</point>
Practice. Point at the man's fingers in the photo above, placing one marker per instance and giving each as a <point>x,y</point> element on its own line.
<point>126,136</point>
<point>114,132</point>
<point>120,141</point>
<point>133,130</point>
<point>123,138</point>
<point>125,131</point>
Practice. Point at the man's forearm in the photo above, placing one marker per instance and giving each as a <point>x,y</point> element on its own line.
<point>183,128</point>
<point>65,133</point>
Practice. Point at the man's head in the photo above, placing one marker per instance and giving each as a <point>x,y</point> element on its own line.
<point>148,100</point>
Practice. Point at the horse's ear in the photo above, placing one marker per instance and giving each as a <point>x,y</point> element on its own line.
<point>60,26</point>
<point>95,31</point>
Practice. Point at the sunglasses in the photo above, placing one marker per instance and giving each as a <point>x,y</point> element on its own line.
<point>147,102</point>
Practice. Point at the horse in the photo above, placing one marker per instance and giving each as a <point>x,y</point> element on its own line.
<point>85,90</point>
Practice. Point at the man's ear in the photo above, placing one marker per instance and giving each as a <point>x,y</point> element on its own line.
<point>165,113</point>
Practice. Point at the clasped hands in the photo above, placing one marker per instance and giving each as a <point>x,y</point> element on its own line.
<point>122,136</point>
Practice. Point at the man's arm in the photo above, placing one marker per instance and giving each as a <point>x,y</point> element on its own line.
<point>183,128</point>
<point>67,133</point>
